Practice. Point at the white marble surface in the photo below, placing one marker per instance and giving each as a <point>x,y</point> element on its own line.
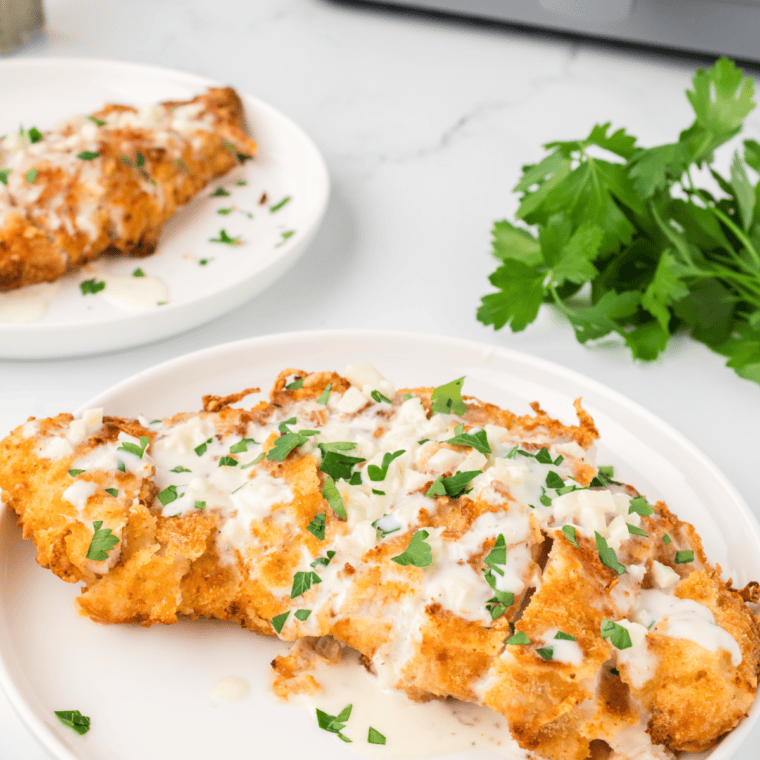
<point>424,124</point>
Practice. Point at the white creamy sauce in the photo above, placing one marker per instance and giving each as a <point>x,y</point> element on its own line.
<point>79,492</point>
<point>28,304</point>
<point>685,619</point>
<point>230,689</point>
<point>411,729</point>
<point>134,292</point>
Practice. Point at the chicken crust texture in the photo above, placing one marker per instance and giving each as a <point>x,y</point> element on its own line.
<point>463,550</point>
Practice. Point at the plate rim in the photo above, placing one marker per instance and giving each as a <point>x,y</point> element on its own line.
<point>728,745</point>
<point>30,330</point>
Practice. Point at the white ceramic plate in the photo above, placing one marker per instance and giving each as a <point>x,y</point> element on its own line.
<point>42,92</point>
<point>148,690</point>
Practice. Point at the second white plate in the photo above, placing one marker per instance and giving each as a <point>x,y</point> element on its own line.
<point>148,692</point>
<point>204,279</point>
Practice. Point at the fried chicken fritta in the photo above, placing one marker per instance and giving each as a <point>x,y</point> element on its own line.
<point>109,181</point>
<point>464,551</point>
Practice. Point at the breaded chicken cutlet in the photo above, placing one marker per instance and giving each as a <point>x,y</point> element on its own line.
<point>464,551</point>
<point>109,181</point>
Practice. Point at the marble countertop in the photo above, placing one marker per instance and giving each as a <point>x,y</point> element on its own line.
<point>424,123</point>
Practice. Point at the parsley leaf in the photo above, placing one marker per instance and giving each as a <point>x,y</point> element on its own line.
<point>317,526</point>
<point>323,561</point>
<point>74,719</point>
<point>90,287</point>
<point>220,192</point>
<point>518,639</point>
<point>418,553</point>
<point>378,473</point>
<point>380,398</point>
<point>375,737</point>
<point>684,556</point>
<point>656,251</point>
<point>570,534</point>
<point>640,506</point>
<point>278,621</point>
<point>201,449</point>
<point>335,723</point>
<point>561,636</point>
<point>102,542</point>
<point>168,495</point>
<point>498,555</point>
<point>337,464</point>
<point>278,206</point>
<point>226,239</point>
<point>88,155</point>
<point>74,473</point>
<point>133,448</point>
<point>332,495</point>
<point>616,633</point>
<point>324,397</point>
<point>454,486</point>
<point>302,615</point>
<point>112,492</point>
<point>607,555</point>
<point>447,399</point>
<point>302,582</point>
<point>477,441</point>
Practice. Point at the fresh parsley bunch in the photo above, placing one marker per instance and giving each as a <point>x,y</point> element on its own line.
<point>629,229</point>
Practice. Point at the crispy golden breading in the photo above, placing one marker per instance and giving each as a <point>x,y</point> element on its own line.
<point>109,182</point>
<point>314,503</point>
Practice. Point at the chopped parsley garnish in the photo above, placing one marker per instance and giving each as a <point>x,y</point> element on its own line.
<point>138,272</point>
<point>74,473</point>
<point>477,441</point>
<point>498,555</point>
<point>288,441</point>
<point>200,505</point>
<point>447,399</point>
<point>454,486</point>
<point>378,473</point>
<point>553,480</point>
<point>378,492</point>
<point>203,262</point>
<point>201,448</point>
<point>179,468</point>
<point>375,737</point>
<point>295,385</point>
<point>102,542</point>
<point>278,621</point>
<point>570,533</point>
<point>407,396</point>
<point>286,235</point>
<point>337,464</point>
<point>544,457</point>
<point>418,553</point>
<point>35,135</point>
<point>614,671</point>
<point>380,398</point>
<point>97,122</point>
<point>518,639</point>
<point>356,479</point>
<point>255,461</point>
<point>302,615</point>
<point>303,581</point>
<point>561,636</point>
<point>90,287</point>
<point>226,239</point>
<point>133,448</point>
<point>633,530</point>
<point>220,192</point>
<point>335,723</point>
<point>278,206</point>
<point>121,466</point>
<point>4,175</point>
<point>226,461</point>
<point>603,477</point>
<point>168,495</point>
<point>113,492</point>
<point>544,499</point>
<point>547,653</point>
<point>241,446</point>
<point>317,526</point>
<point>31,175</point>
<point>74,719</point>
<point>323,561</point>
<point>607,555</point>
<point>325,395</point>
<point>666,538</point>
<point>640,506</point>
<point>616,633</point>
<point>241,183</point>
<point>333,497</point>
<point>88,155</point>
<point>684,556</point>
